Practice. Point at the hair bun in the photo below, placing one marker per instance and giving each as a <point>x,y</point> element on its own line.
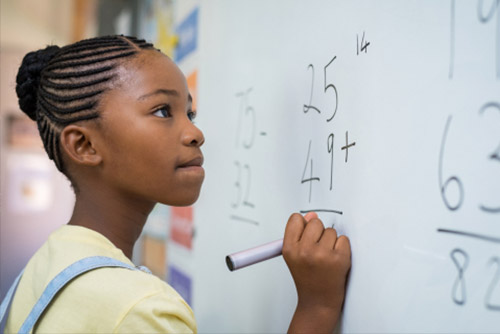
<point>28,78</point>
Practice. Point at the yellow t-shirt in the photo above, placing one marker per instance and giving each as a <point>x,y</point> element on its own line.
<point>104,300</point>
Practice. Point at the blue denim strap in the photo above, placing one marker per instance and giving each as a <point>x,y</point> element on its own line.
<point>62,279</point>
<point>5,307</point>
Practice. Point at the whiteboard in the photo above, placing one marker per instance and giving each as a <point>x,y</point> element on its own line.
<point>383,116</point>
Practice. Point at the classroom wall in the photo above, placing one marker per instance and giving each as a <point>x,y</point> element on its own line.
<point>35,199</point>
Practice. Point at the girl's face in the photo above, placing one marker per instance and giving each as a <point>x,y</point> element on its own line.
<point>150,147</point>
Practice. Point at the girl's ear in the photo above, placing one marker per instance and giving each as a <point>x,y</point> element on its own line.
<point>76,141</point>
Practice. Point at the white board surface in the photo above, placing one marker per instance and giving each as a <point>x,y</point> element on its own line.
<point>385,111</point>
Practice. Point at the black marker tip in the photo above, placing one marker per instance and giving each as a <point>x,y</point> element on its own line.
<point>230,264</point>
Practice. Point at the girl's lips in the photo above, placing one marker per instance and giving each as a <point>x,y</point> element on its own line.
<point>194,163</point>
<point>193,168</point>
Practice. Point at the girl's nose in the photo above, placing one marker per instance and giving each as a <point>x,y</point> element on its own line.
<point>192,136</point>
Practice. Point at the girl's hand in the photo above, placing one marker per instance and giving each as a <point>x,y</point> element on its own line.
<point>319,262</point>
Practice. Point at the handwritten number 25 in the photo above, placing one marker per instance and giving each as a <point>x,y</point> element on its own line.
<point>326,87</point>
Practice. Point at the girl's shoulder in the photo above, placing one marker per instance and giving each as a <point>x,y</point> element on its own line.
<point>109,296</point>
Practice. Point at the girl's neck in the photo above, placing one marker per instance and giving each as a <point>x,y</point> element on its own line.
<point>119,219</point>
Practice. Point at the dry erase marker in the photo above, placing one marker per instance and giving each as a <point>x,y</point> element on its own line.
<point>254,255</point>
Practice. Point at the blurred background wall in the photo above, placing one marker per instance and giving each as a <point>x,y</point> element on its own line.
<point>35,199</point>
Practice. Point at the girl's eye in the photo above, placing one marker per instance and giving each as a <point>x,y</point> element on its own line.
<point>191,115</point>
<point>163,111</point>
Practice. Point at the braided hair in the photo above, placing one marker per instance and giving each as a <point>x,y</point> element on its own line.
<point>59,86</point>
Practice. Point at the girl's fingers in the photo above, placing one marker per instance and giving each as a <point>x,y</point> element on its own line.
<point>313,231</point>
<point>310,215</point>
<point>328,238</point>
<point>343,245</point>
<point>294,228</point>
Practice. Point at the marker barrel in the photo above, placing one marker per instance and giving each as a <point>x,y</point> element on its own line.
<point>254,255</point>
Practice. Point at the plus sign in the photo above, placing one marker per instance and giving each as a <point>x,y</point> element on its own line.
<point>347,145</point>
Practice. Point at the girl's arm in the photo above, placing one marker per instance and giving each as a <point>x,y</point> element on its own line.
<point>319,262</point>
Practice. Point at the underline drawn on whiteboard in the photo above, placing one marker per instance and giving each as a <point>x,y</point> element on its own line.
<point>244,220</point>
<point>470,234</point>
<point>491,288</point>
<point>311,177</point>
<point>347,145</point>
<point>363,46</point>
<point>461,260</point>
<point>494,156</point>
<point>444,186</point>
<point>322,210</point>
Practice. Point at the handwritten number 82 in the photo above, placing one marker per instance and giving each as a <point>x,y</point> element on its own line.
<point>459,294</point>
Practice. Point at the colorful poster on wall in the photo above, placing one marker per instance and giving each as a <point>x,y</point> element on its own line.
<point>156,24</point>
<point>192,82</point>
<point>187,32</point>
<point>181,283</point>
<point>154,255</point>
<point>181,226</point>
<point>30,184</point>
<point>22,132</point>
<point>157,222</point>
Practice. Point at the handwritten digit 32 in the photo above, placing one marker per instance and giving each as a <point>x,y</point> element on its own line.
<point>239,187</point>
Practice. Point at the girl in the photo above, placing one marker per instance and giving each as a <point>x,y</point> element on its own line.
<point>115,116</point>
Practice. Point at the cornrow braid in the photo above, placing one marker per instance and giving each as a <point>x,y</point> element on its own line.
<point>59,86</point>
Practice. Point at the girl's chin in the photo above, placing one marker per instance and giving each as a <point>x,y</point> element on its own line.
<point>185,199</point>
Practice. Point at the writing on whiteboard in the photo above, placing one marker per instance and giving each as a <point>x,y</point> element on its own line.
<point>453,189</point>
